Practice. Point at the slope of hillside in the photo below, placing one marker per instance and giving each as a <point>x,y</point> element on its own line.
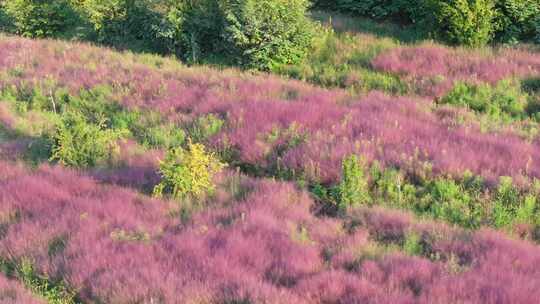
<point>452,214</point>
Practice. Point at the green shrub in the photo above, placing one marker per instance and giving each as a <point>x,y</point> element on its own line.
<point>531,85</point>
<point>77,143</point>
<point>507,200</point>
<point>259,34</point>
<point>515,20</point>
<point>133,23</point>
<point>205,127</point>
<point>450,202</point>
<point>162,136</point>
<point>512,207</point>
<point>40,18</point>
<point>536,24</point>
<point>6,24</point>
<point>187,172</point>
<point>389,184</point>
<point>354,187</point>
<point>196,29</point>
<point>405,11</point>
<point>412,244</point>
<point>267,33</point>
<point>527,211</point>
<point>506,101</point>
<point>466,22</point>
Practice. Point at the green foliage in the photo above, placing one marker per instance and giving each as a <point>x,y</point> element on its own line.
<point>344,60</point>
<point>526,213</point>
<point>6,24</point>
<point>466,22</point>
<point>205,127</point>
<point>373,8</point>
<point>354,187</point>
<point>412,244</point>
<point>162,136</point>
<point>506,202</point>
<point>132,23</point>
<point>267,33</point>
<point>513,207</point>
<point>188,172</point>
<point>505,101</point>
<point>194,29</point>
<point>54,292</point>
<point>536,26</point>
<point>40,18</point>
<point>391,186</point>
<point>260,34</point>
<point>450,202</point>
<point>466,201</point>
<point>515,20</point>
<point>78,143</point>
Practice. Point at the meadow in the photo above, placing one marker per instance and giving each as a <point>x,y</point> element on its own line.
<point>382,168</point>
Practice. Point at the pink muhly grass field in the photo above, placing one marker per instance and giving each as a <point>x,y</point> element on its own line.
<point>434,69</point>
<point>273,123</point>
<point>11,292</point>
<point>118,246</point>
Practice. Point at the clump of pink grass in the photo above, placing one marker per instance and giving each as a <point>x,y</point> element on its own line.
<point>434,69</point>
<point>265,247</point>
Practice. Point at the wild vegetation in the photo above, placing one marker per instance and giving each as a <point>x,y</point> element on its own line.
<point>363,165</point>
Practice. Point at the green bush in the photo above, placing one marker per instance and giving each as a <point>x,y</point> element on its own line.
<point>196,28</point>
<point>205,127</point>
<point>507,201</point>
<point>133,23</point>
<point>450,202</point>
<point>77,143</point>
<point>515,19</point>
<point>505,101</point>
<point>526,213</point>
<point>187,172</point>
<point>390,185</point>
<point>267,33</point>
<point>513,207</point>
<point>405,11</point>
<point>40,18</point>
<point>466,22</point>
<point>354,187</point>
<point>536,25</point>
<point>259,34</point>
<point>412,244</point>
<point>6,23</point>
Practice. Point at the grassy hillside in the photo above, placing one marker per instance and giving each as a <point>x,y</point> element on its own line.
<point>398,171</point>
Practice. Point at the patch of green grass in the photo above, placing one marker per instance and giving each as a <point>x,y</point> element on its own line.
<point>343,60</point>
<point>342,23</point>
<point>52,291</point>
<point>503,102</point>
<point>466,201</point>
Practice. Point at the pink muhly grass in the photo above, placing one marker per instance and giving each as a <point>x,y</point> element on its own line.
<point>271,123</point>
<point>398,132</point>
<point>434,69</point>
<point>113,235</point>
<point>12,292</point>
<point>134,167</point>
<point>121,247</point>
<point>7,119</point>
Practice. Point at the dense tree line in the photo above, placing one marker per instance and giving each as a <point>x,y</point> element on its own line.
<point>468,22</point>
<point>260,34</point>
<point>253,33</point>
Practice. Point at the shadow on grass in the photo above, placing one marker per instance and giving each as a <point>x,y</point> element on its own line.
<point>15,145</point>
<point>342,23</point>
